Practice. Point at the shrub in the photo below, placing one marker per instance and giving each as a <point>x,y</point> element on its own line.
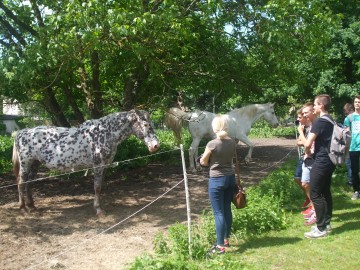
<point>6,144</point>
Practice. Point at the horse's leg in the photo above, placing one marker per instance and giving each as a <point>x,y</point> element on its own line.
<point>98,178</point>
<point>192,151</point>
<point>21,182</point>
<point>29,198</point>
<point>245,140</point>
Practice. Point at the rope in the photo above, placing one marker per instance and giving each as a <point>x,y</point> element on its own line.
<point>276,163</point>
<point>106,230</point>
<point>90,168</point>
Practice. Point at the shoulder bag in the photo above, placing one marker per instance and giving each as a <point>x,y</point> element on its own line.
<point>239,197</point>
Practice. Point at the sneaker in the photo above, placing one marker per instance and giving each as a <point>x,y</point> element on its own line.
<point>315,233</point>
<point>307,211</point>
<point>216,250</point>
<point>308,216</point>
<point>311,220</point>
<point>355,196</point>
<point>306,204</point>
<point>328,228</point>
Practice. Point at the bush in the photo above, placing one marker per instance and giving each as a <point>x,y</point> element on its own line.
<point>265,212</point>
<point>6,144</point>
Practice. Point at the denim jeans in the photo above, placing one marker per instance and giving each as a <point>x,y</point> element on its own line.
<point>348,165</point>
<point>221,190</point>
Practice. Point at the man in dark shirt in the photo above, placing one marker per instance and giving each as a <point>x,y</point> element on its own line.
<point>322,169</point>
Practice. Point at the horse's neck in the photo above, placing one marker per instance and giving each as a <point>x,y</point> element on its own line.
<point>117,128</point>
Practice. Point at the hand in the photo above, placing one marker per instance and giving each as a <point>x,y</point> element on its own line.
<point>301,128</point>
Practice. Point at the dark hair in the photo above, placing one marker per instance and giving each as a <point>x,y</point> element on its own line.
<point>357,96</point>
<point>325,100</point>
<point>348,108</point>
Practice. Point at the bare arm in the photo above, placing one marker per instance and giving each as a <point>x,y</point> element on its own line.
<point>204,161</point>
<point>302,138</point>
<point>309,142</point>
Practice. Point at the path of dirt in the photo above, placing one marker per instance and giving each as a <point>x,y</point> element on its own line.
<point>64,232</point>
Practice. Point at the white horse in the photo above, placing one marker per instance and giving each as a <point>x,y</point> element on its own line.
<point>199,124</point>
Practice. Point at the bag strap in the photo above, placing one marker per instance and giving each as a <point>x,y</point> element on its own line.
<point>328,119</point>
<point>237,168</point>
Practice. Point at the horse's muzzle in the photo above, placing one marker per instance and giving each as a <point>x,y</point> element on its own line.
<point>153,147</point>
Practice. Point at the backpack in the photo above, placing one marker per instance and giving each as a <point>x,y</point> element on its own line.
<point>340,143</point>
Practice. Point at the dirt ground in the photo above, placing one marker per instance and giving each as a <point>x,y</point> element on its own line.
<point>64,232</point>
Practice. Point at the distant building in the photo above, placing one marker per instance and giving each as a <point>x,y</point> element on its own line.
<point>10,113</point>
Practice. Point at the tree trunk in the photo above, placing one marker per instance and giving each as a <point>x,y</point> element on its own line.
<point>96,87</point>
<point>79,117</point>
<point>132,86</point>
<point>53,107</point>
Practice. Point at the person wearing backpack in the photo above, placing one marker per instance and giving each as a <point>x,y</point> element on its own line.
<point>322,169</point>
<point>352,121</point>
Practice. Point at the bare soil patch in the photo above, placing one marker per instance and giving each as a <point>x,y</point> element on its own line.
<point>64,232</point>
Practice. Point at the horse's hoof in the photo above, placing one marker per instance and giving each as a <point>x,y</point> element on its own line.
<point>31,209</point>
<point>23,211</point>
<point>100,213</point>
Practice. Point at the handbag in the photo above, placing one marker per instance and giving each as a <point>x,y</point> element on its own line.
<point>239,197</point>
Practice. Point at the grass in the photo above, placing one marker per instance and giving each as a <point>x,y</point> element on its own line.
<point>281,248</point>
<point>288,249</point>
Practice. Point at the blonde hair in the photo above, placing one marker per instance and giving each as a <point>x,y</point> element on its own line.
<point>220,126</point>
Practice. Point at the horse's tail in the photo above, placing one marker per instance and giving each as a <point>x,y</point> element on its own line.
<point>176,119</point>
<point>15,162</point>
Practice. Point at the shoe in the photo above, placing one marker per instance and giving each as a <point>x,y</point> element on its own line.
<point>328,228</point>
<point>226,243</point>
<point>306,204</point>
<point>355,196</point>
<point>308,216</point>
<point>216,250</point>
<point>307,211</point>
<point>315,233</point>
<point>311,220</point>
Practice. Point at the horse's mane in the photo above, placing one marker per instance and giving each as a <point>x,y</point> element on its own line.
<point>176,119</point>
<point>250,110</point>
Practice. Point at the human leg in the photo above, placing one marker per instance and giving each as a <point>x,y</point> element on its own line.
<point>216,195</point>
<point>305,182</point>
<point>349,173</point>
<point>228,194</point>
<point>320,193</point>
<point>354,160</point>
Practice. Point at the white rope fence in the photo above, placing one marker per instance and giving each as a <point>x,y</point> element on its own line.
<point>106,230</point>
<point>69,249</point>
<point>114,164</point>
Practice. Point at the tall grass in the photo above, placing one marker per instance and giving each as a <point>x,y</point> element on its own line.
<point>267,234</point>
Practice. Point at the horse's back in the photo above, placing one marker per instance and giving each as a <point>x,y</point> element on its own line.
<point>200,124</point>
<point>56,147</point>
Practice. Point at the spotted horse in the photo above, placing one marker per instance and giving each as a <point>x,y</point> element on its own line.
<point>91,145</point>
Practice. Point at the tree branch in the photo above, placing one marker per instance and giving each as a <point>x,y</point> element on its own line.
<point>21,24</point>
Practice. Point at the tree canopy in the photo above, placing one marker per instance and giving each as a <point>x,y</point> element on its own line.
<point>72,60</point>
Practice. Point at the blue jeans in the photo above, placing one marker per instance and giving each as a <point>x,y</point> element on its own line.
<point>348,165</point>
<point>221,190</point>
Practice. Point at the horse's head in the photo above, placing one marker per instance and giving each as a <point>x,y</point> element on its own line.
<point>270,116</point>
<point>143,129</point>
